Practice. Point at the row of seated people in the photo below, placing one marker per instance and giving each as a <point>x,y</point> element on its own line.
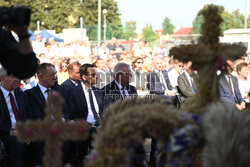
<point>83,101</point>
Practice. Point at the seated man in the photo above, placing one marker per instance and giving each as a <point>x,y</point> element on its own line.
<point>120,87</point>
<point>74,76</point>
<point>187,83</point>
<point>229,88</point>
<point>38,95</point>
<point>85,102</point>
<point>14,107</point>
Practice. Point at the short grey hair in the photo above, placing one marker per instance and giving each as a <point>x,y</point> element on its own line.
<point>3,72</point>
<point>119,66</point>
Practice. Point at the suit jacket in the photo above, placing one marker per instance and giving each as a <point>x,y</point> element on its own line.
<point>154,84</point>
<point>22,104</point>
<point>184,86</point>
<point>76,104</point>
<point>103,78</point>
<point>225,90</point>
<point>68,84</point>
<point>38,102</point>
<point>112,93</point>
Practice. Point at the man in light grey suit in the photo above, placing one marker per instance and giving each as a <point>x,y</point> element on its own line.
<point>229,88</point>
<point>187,83</point>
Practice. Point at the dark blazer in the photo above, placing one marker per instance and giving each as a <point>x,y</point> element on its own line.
<point>76,104</point>
<point>225,91</point>
<point>154,84</point>
<point>38,102</point>
<point>104,78</point>
<point>112,92</point>
<point>184,87</point>
<point>68,84</point>
<point>22,104</point>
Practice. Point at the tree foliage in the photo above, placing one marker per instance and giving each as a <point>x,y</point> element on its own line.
<point>59,14</point>
<point>167,26</point>
<point>148,34</point>
<point>230,20</point>
<point>129,30</point>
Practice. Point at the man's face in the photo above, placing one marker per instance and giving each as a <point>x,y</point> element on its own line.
<point>244,71</point>
<point>10,82</point>
<point>91,78</point>
<point>49,78</point>
<point>179,66</point>
<point>125,76</point>
<point>157,64</point>
<point>230,66</point>
<point>75,74</point>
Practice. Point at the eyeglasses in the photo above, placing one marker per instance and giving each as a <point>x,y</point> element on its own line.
<point>140,62</point>
<point>92,75</point>
<point>64,65</point>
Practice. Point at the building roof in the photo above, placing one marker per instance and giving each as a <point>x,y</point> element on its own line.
<point>183,31</point>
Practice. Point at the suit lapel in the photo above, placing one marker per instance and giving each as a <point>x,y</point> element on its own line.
<point>224,80</point>
<point>82,97</point>
<point>3,103</point>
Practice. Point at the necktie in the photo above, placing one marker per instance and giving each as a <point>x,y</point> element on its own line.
<point>93,106</point>
<point>163,83</point>
<point>14,107</point>
<point>123,93</point>
<point>192,85</point>
<point>230,83</point>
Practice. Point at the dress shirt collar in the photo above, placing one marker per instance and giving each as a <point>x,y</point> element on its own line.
<point>42,88</point>
<point>6,92</point>
<point>119,85</point>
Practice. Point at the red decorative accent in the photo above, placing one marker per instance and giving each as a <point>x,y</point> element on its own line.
<point>28,131</point>
<point>55,94</point>
<point>80,129</point>
<point>53,131</point>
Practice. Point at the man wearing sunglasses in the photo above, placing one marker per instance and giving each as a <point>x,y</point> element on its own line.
<point>85,102</point>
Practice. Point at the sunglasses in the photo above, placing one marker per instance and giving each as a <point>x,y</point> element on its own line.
<point>140,62</point>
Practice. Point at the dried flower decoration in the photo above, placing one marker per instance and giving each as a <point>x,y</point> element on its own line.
<point>53,130</point>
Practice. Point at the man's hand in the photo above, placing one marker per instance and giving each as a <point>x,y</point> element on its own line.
<point>243,105</point>
<point>238,107</point>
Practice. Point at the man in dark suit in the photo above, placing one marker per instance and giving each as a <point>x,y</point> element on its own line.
<point>120,88</point>
<point>187,83</point>
<point>74,76</point>
<point>85,102</point>
<point>38,95</point>
<point>158,81</point>
<point>229,88</point>
<point>13,104</point>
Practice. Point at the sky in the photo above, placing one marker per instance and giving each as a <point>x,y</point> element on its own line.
<point>180,12</point>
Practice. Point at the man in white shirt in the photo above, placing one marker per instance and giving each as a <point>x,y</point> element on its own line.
<point>13,106</point>
<point>85,102</point>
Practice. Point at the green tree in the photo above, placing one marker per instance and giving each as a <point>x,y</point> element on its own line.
<point>129,30</point>
<point>230,20</point>
<point>197,24</point>
<point>148,34</point>
<point>89,11</point>
<point>167,26</point>
<point>59,14</point>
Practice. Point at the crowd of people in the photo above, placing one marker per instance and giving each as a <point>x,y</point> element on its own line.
<point>90,81</point>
